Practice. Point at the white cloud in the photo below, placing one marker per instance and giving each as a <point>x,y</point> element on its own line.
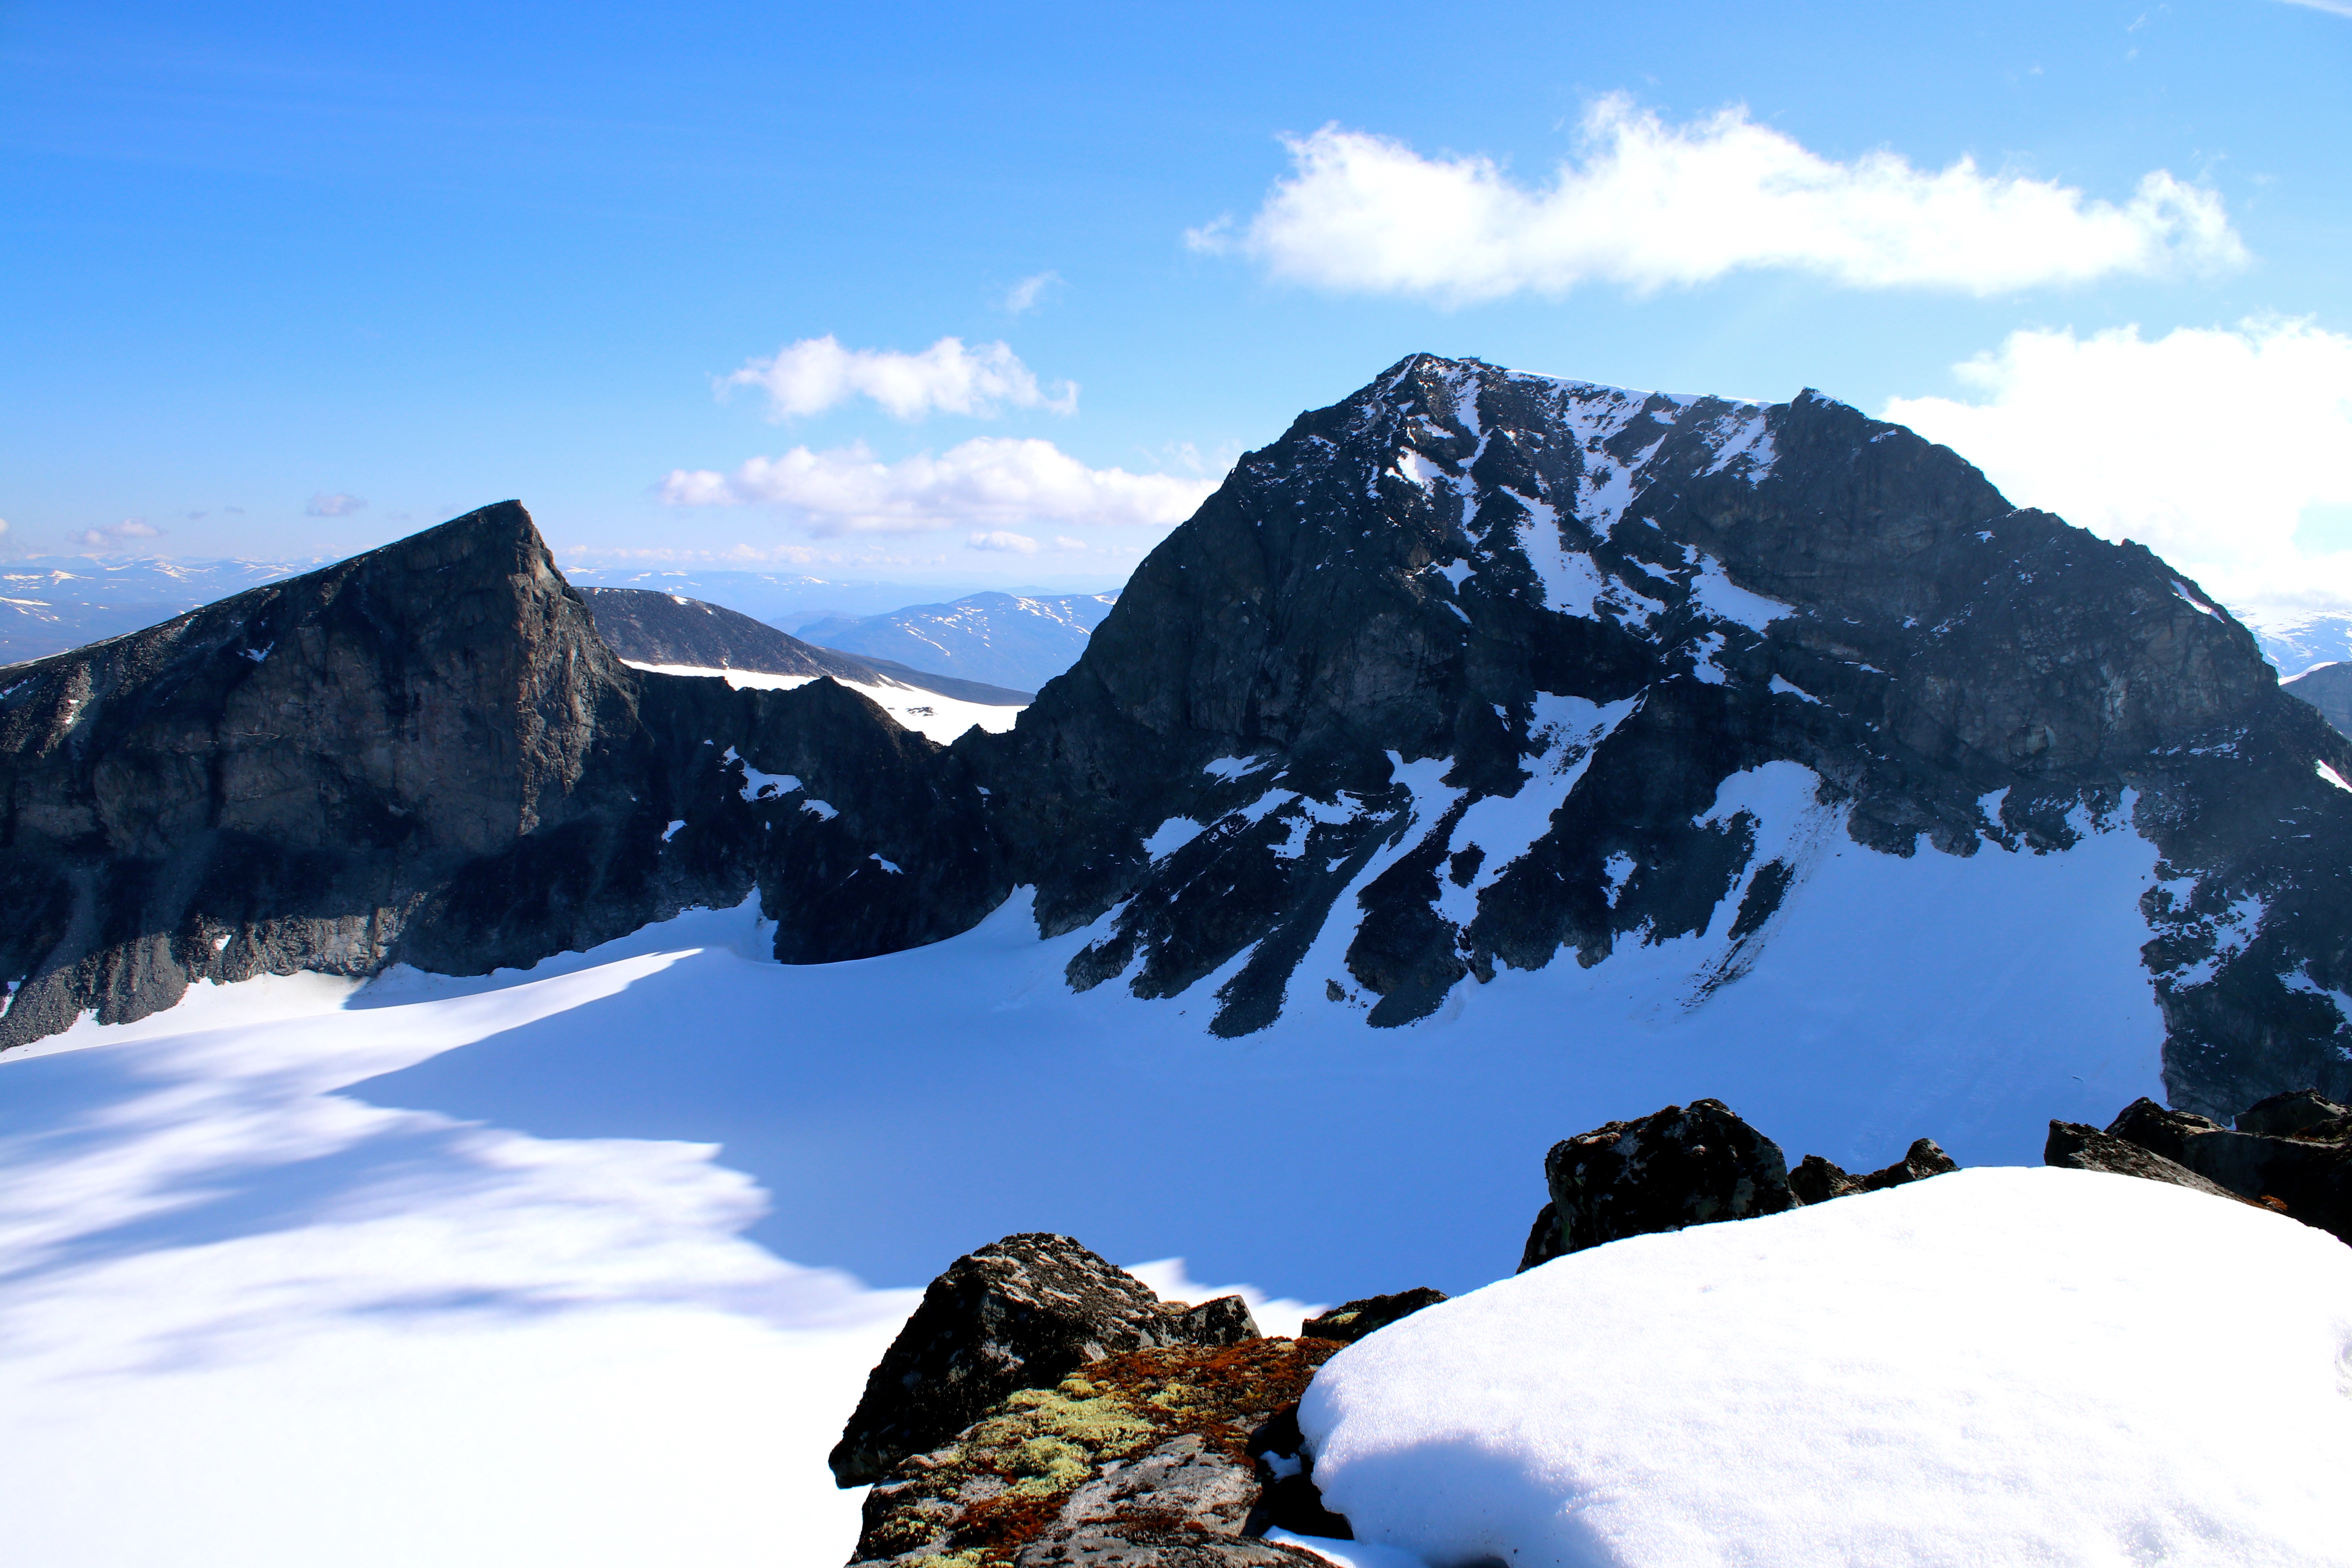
<point>1061,541</point>
<point>1653,205</point>
<point>108,537</point>
<point>335,505</point>
<point>1001,538</point>
<point>2333,7</point>
<point>2211,446</point>
<point>987,483</point>
<point>1024,296</point>
<point>817,373</point>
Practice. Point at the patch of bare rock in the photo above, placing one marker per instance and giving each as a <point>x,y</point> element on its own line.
<point>1045,1409</point>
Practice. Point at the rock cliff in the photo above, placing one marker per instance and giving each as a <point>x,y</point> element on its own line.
<point>426,754</point>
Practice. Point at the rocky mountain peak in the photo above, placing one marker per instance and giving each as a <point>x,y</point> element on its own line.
<point>1476,668</point>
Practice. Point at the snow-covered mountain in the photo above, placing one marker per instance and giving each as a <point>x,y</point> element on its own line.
<point>1472,675</point>
<point>1010,639</point>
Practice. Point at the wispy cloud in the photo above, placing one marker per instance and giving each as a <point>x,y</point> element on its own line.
<point>817,373</point>
<point>1652,205</point>
<point>1004,539</point>
<point>2333,7</point>
<point>118,534</point>
<point>2217,448</point>
<point>1024,296</point>
<point>335,505</point>
<point>986,484</point>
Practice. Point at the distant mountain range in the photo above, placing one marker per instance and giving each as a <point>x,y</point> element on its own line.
<point>1011,639</point>
<point>671,630</point>
<point>52,603</point>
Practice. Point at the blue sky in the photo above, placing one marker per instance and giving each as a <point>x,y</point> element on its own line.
<point>267,264</point>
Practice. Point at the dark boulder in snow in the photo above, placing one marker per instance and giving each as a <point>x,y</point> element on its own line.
<point>1676,1168</point>
<point>1354,1319</point>
<point>1021,1313</point>
<point>1816,1180</point>
<point>2291,1151</point>
<point>2161,1130</point>
<point>2077,1146</point>
<point>1175,1457</point>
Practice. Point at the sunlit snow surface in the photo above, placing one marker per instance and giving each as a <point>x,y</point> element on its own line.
<point>491,1270</point>
<point>943,719</point>
<point>1998,1367</point>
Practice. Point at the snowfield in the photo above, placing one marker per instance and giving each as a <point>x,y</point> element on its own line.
<point>494,1270</point>
<point>943,719</point>
<point>1996,1366</point>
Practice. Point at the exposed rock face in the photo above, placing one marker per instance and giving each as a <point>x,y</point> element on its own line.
<point>1151,1456</point>
<point>2074,1146</point>
<point>1022,1313</point>
<point>2292,1151</point>
<point>1465,586</point>
<point>1353,1321</point>
<point>1816,1180</point>
<point>1674,1168</point>
<point>649,627</point>
<point>426,753</point>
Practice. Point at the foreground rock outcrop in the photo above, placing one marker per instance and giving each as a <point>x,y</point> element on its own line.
<point>1019,1314</point>
<point>1149,1458</point>
<point>2291,1153</point>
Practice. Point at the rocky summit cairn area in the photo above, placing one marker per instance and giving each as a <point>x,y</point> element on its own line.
<point>1043,1408</point>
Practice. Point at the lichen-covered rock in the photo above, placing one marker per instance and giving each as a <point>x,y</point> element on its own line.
<point>1022,1313</point>
<point>1816,1180</point>
<point>1147,1457</point>
<point>2076,1146</point>
<point>1354,1319</point>
<point>1675,1168</point>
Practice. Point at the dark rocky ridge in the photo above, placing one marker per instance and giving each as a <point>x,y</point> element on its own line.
<point>1459,585</point>
<point>650,627</point>
<point>426,754</point>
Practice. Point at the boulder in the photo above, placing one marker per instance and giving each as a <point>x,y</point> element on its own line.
<point>1175,1457</point>
<point>2299,1112</point>
<point>1816,1180</point>
<point>1676,1168</point>
<point>2161,1130</point>
<point>1022,1313</point>
<point>1353,1321</point>
<point>2077,1146</point>
<point>2291,1152</point>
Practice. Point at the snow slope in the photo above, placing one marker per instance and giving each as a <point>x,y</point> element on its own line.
<point>1997,1366</point>
<point>940,718</point>
<point>248,1319</point>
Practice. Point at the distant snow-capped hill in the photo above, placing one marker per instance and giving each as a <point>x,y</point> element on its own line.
<point>2300,640</point>
<point>50,604</point>
<point>1009,639</point>
<point>671,630</point>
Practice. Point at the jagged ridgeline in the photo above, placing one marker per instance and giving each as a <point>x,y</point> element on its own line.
<point>1474,672</point>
